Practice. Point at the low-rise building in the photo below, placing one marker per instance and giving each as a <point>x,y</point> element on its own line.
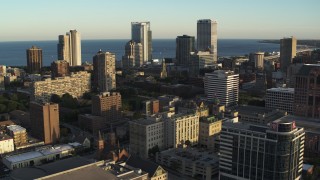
<point>209,131</point>
<point>182,129</point>
<point>37,157</point>
<point>191,162</point>
<point>19,134</point>
<point>6,144</point>
<point>280,98</point>
<point>259,115</point>
<point>146,134</point>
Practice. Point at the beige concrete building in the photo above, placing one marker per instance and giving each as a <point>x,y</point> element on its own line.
<point>104,71</point>
<point>210,128</point>
<point>108,105</point>
<point>19,135</point>
<point>44,122</point>
<point>258,60</point>
<point>181,128</point>
<point>6,144</point>
<point>76,84</point>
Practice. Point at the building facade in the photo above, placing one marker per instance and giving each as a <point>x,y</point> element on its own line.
<point>141,33</point>
<point>108,105</point>
<point>209,131</point>
<point>184,46</point>
<point>280,98</point>
<point>64,45</point>
<point>44,122</point>
<point>59,68</point>
<point>76,85</point>
<point>104,71</point>
<point>133,55</point>
<point>258,60</point>
<point>207,38</point>
<point>307,91</point>
<point>261,152</point>
<point>6,144</point>
<point>34,60</point>
<point>145,134</point>
<point>288,50</point>
<point>182,129</point>
<point>19,135</point>
<point>223,85</point>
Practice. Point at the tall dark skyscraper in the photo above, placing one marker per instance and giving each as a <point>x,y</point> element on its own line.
<point>288,50</point>
<point>207,38</point>
<point>184,46</point>
<point>261,152</point>
<point>34,60</point>
<point>307,91</point>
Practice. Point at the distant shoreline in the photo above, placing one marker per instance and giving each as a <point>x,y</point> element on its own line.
<point>311,43</point>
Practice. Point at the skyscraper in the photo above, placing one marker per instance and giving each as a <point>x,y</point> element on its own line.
<point>104,71</point>
<point>260,152</point>
<point>69,48</point>
<point>34,60</point>
<point>133,55</point>
<point>223,85</point>
<point>288,50</point>
<point>207,38</point>
<point>307,91</point>
<point>258,60</point>
<point>44,121</point>
<point>184,46</point>
<point>141,33</point>
<point>75,47</point>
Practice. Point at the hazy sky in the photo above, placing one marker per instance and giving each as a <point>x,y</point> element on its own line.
<point>110,19</point>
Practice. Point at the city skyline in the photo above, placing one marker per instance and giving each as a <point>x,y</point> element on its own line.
<point>257,20</point>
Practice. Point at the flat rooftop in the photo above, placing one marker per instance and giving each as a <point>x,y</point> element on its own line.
<point>38,153</point>
<point>309,124</point>
<point>16,128</point>
<point>287,90</point>
<point>192,155</point>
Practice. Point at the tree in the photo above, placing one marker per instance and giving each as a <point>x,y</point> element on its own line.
<point>55,98</point>
<point>153,151</point>
<point>187,143</point>
<point>68,101</point>
<point>3,108</point>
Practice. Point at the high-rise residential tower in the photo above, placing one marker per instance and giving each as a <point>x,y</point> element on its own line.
<point>44,121</point>
<point>133,55</point>
<point>261,152</point>
<point>34,60</point>
<point>222,85</point>
<point>207,38</point>
<point>288,50</point>
<point>69,48</point>
<point>258,60</point>
<point>108,105</point>
<point>184,46</point>
<point>104,71</point>
<point>59,68</point>
<point>141,33</point>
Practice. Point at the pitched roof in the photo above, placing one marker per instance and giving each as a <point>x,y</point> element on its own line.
<point>144,165</point>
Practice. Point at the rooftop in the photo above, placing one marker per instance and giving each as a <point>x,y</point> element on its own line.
<point>38,153</point>
<point>4,137</point>
<point>307,68</point>
<point>280,89</point>
<point>16,128</point>
<point>192,155</point>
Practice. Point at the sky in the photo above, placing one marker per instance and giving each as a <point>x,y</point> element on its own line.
<point>22,20</point>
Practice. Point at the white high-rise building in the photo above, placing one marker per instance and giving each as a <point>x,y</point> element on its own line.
<point>141,33</point>
<point>69,48</point>
<point>223,85</point>
<point>280,98</point>
<point>207,38</point>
